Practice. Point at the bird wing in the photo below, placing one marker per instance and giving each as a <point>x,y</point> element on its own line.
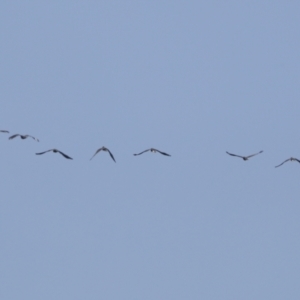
<point>111,155</point>
<point>163,153</point>
<point>234,154</point>
<point>283,163</point>
<point>5,131</point>
<point>65,155</point>
<point>32,137</point>
<point>255,154</point>
<point>44,152</point>
<point>142,152</point>
<point>96,152</point>
<point>13,136</point>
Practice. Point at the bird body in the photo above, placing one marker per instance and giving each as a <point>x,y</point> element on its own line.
<point>104,149</point>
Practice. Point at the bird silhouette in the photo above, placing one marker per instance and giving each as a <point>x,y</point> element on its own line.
<point>55,151</point>
<point>244,157</point>
<point>291,159</point>
<point>25,136</point>
<point>154,151</point>
<point>104,149</point>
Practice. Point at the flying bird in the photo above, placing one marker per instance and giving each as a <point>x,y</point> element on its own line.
<point>152,150</point>
<point>5,131</point>
<point>244,157</point>
<point>25,136</point>
<point>104,149</point>
<point>55,151</point>
<point>291,159</point>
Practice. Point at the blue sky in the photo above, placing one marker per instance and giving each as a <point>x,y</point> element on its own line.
<point>192,79</point>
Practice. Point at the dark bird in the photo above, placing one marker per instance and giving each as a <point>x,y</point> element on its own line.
<point>55,151</point>
<point>5,131</point>
<point>25,136</point>
<point>152,150</point>
<point>104,149</point>
<point>244,157</point>
<point>291,159</point>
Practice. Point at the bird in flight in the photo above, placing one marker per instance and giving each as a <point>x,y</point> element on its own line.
<point>5,131</point>
<point>104,149</point>
<point>291,159</point>
<point>55,151</point>
<point>152,150</point>
<point>25,136</point>
<point>245,157</point>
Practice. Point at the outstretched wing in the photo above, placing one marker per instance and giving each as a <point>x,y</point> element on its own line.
<point>65,155</point>
<point>5,131</point>
<point>141,152</point>
<point>163,153</point>
<point>255,154</point>
<point>13,136</point>
<point>32,137</point>
<point>111,155</point>
<point>234,155</point>
<point>96,153</point>
<point>44,152</point>
<point>283,163</point>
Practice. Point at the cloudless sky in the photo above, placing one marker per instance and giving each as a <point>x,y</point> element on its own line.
<point>191,78</point>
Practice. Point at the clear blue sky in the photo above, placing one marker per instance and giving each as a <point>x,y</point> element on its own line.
<point>192,78</point>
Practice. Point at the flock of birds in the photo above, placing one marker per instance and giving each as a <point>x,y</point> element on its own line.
<point>25,136</point>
